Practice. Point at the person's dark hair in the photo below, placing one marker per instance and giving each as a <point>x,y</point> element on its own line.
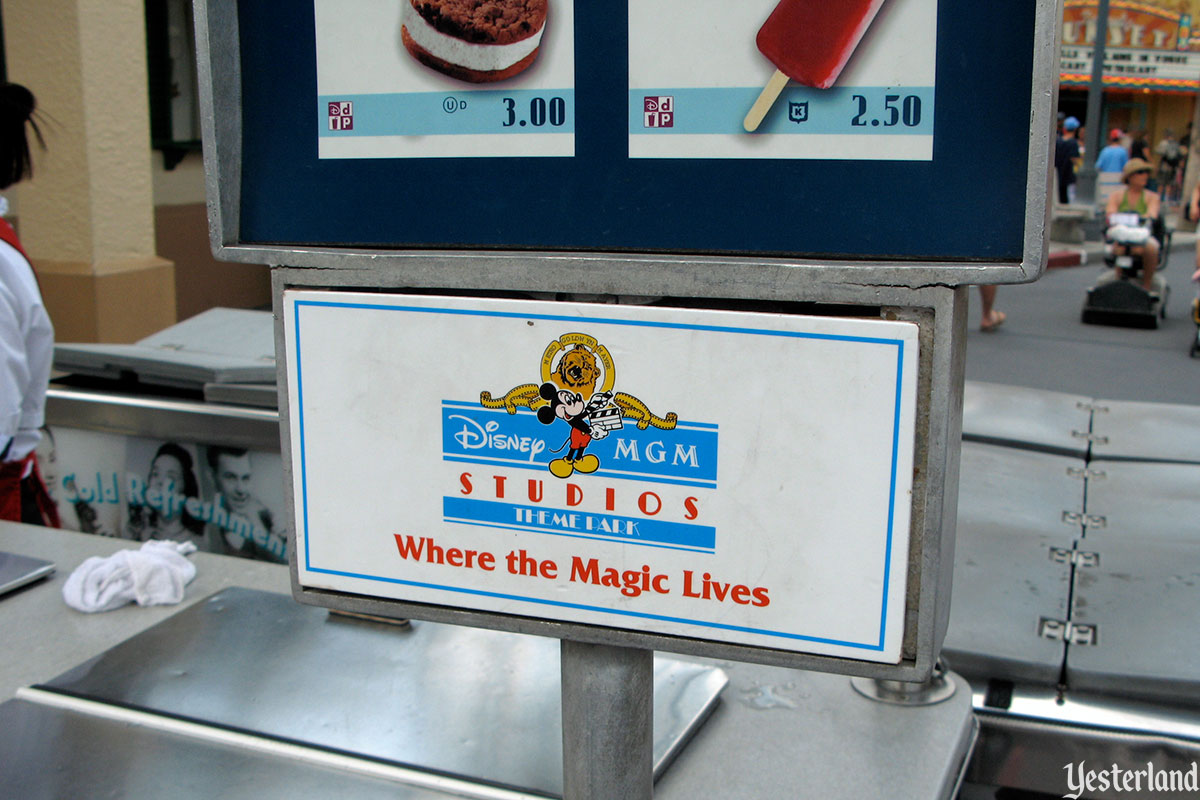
<point>213,456</point>
<point>191,487</point>
<point>17,105</point>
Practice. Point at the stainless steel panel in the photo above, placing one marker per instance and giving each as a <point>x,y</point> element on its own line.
<point>17,570</point>
<point>161,418</point>
<point>241,334</point>
<point>1146,431</point>
<point>1142,597</point>
<point>781,734</point>
<point>1003,584</point>
<point>1146,500</point>
<point>1003,489</point>
<point>1073,710</point>
<point>53,754</point>
<point>478,704</point>
<point>1032,419</point>
<point>41,636</point>
<point>778,733</point>
<point>1027,745</point>
<point>183,370</point>
<point>221,345</point>
<point>258,395</point>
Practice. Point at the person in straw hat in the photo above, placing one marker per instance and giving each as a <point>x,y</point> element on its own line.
<point>1135,198</point>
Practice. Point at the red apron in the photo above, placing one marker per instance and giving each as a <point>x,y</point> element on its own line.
<point>23,498</point>
<point>7,234</point>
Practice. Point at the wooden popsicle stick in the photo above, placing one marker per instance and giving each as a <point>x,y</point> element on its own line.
<point>766,99</point>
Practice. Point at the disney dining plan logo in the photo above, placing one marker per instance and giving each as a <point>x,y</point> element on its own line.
<point>341,115</point>
<point>1114,778</point>
<point>658,112</point>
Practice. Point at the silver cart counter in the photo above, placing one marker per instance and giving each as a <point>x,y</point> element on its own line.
<point>773,733</point>
<point>162,416</point>
<point>1074,582</point>
<point>1028,515</point>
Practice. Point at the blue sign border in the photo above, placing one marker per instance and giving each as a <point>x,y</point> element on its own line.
<point>876,646</point>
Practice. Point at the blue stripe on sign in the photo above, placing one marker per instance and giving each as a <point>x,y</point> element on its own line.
<point>578,320</point>
<point>541,519</point>
<point>891,521</point>
<point>475,111</point>
<point>799,110</point>
<point>490,436</point>
<point>622,612</point>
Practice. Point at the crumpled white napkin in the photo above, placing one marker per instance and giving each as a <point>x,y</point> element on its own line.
<point>154,575</point>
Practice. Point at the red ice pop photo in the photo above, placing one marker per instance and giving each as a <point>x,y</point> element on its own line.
<point>809,41</point>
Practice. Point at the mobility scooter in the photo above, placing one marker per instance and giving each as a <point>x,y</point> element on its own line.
<point>1118,297</point>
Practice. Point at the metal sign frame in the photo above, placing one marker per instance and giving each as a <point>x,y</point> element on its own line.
<point>607,671</point>
<point>220,75</point>
<point>940,314</point>
<point>933,295</point>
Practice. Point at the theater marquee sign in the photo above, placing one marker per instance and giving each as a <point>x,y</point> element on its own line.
<point>1149,44</point>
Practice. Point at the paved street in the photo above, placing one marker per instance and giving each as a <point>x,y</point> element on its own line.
<point>1045,345</point>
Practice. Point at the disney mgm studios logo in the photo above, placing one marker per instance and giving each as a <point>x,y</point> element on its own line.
<point>577,421</point>
<point>1084,780</point>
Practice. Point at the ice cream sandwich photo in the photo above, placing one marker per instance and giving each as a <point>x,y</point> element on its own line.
<point>477,41</point>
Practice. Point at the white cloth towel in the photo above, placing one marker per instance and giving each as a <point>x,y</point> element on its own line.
<point>155,575</point>
<point>1128,234</point>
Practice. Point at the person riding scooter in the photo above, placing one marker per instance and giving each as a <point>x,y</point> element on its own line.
<point>1137,205</point>
<point>1132,292</point>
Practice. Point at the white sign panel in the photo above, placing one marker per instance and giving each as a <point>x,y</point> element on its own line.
<point>723,476</point>
<point>440,79</point>
<point>856,79</point>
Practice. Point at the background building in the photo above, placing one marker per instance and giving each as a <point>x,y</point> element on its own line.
<point>1151,65</point>
<point>114,218</point>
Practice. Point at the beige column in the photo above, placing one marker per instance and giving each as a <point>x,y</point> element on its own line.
<point>87,217</point>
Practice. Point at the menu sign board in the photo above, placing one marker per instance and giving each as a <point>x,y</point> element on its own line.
<point>444,80</point>
<point>435,78</point>
<point>858,77</point>
<point>729,477</point>
<point>764,134</point>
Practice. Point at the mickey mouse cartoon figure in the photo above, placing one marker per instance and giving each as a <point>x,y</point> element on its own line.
<point>589,421</point>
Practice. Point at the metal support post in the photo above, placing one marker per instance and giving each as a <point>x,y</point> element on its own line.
<point>1085,191</point>
<point>906,693</point>
<point>607,721</point>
